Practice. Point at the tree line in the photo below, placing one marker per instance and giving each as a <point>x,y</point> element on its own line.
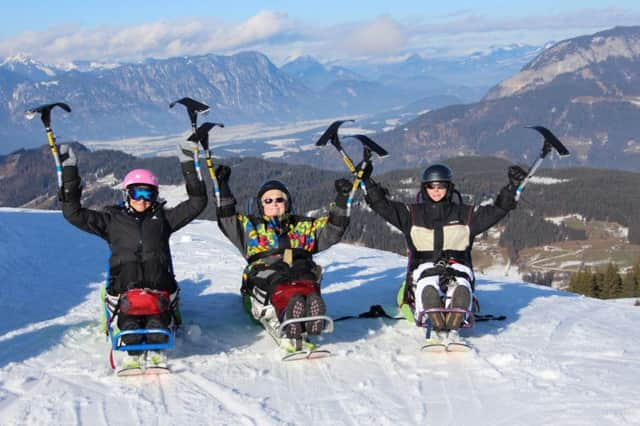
<point>479,179</point>
<point>607,282</point>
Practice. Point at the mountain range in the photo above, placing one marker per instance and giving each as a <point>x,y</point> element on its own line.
<point>586,89</point>
<point>131,100</point>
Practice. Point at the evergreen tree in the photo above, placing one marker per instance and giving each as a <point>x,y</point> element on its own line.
<point>611,282</point>
<point>596,285</point>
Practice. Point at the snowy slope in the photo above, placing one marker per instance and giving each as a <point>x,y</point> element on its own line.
<point>557,359</point>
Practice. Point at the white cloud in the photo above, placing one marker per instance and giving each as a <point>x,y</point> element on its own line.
<point>382,36</point>
<point>158,39</point>
<point>279,36</point>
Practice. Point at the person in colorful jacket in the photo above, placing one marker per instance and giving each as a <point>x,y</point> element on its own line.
<point>279,247</point>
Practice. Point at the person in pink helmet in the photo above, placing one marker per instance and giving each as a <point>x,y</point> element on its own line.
<point>137,231</point>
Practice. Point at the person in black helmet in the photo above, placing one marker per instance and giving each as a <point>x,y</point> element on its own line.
<point>439,231</point>
<point>281,280</point>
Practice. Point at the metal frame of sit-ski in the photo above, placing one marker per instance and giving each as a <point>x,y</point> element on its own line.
<point>118,345</point>
<point>267,317</point>
<point>423,318</point>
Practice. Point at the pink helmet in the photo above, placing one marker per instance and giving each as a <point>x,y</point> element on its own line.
<point>140,176</point>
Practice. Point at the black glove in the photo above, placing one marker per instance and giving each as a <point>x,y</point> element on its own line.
<point>343,189</point>
<point>506,199</point>
<point>516,175</point>
<point>366,172</point>
<point>223,173</point>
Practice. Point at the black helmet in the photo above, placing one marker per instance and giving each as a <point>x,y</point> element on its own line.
<point>437,173</point>
<point>268,186</point>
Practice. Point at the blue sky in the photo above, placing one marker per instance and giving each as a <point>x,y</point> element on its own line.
<point>330,30</point>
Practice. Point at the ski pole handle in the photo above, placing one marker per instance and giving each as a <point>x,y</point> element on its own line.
<point>45,116</point>
<point>352,194</point>
<point>348,162</point>
<point>56,155</point>
<point>196,161</point>
<point>357,182</point>
<point>524,182</point>
<point>352,168</point>
<point>214,178</point>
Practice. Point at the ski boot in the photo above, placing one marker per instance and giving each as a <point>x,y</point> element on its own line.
<point>295,309</point>
<point>131,365</point>
<point>431,300</point>
<point>314,307</point>
<point>460,299</point>
<point>156,362</point>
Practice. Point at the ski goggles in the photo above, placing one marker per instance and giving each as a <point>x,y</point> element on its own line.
<point>142,193</point>
<point>278,200</point>
<point>437,185</point>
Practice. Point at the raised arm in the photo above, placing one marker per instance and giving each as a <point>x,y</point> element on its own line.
<point>396,213</point>
<point>487,216</point>
<point>189,209</point>
<point>229,221</point>
<point>88,220</point>
<point>330,230</point>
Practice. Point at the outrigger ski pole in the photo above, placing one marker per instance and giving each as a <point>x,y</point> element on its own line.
<point>369,146</point>
<point>193,109</point>
<point>45,116</point>
<point>202,135</point>
<point>550,142</point>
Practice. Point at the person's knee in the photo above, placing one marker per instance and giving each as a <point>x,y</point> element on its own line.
<point>161,321</point>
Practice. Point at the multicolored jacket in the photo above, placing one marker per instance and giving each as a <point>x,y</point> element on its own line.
<point>262,241</point>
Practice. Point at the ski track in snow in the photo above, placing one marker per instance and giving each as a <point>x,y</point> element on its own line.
<point>557,359</point>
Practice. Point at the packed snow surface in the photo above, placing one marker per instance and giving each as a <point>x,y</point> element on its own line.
<point>557,359</point>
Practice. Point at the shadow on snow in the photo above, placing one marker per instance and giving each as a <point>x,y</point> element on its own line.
<point>381,288</point>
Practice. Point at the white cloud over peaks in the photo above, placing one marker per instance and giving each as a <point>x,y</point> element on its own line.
<point>279,36</point>
<point>383,35</point>
<point>262,26</point>
<point>158,39</point>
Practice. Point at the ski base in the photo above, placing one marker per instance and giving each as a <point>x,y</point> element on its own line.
<point>150,371</point>
<point>448,347</point>
<point>459,347</point>
<point>434,347</point>
<point>304,354</point>
<point>129,372</point>
<point>301,348</point>
<point>157,371</point>
<point>447,341</point>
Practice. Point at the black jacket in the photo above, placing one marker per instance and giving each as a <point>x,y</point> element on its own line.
<point>443,230</point>
<point>139,243</point>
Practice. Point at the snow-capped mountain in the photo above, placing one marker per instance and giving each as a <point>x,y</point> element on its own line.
<point>558,358</point>
<point>593,57</point>
<point>87,66</point>
<point>28,67</point>
<point>113,101</point>
<point>316,75</point>
<point>479,69</point>
<point>585,90</point>
<point>133,99</point>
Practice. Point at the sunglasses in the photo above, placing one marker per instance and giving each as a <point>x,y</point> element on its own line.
<point>147,194</point>
<point>437,185</point>
<point>278,200</point>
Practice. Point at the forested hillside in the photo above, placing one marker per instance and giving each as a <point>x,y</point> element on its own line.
<point>558,207</point>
